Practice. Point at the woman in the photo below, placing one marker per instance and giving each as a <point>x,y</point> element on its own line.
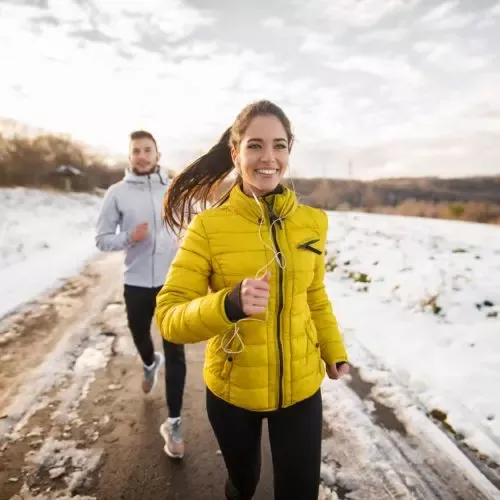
<point>249,279</point>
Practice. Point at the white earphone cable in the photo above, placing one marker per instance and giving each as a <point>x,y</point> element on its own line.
<point>232,335</point>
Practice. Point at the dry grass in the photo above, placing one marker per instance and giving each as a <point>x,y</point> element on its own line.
<point>472,211</point>
<point>32,162</point>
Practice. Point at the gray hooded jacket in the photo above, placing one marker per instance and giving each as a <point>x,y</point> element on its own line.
<point>133,200</point>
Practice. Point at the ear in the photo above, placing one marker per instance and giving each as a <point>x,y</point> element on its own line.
<point>234,154</point>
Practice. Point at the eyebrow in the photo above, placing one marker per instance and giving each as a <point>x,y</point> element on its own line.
<point>279,139</point>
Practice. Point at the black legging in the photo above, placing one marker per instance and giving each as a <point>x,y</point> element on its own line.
<point>295,437</point>
<point>140,303</point>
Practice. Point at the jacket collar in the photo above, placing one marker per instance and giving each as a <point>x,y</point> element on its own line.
<point>282,200</point>
<point>158,176</point>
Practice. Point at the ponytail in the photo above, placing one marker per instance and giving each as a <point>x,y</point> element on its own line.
<point>197,184</point>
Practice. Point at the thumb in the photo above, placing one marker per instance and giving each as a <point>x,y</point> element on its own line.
<point>332,372</point>
<point>266,277</point>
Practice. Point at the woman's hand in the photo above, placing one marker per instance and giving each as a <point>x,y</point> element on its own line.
<point>254,295</point>
<point>335,373</point>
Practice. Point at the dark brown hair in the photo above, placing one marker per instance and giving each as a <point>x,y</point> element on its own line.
<point>198,182</point>
<point>143,134</point>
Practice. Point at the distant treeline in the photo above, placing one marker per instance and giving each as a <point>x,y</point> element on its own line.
<point>32,162</point>
<point>473,198</point>
<point>330,193</point>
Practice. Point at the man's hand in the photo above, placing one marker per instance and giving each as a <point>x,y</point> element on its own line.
<point>335,373</point>
<point>254,295</point>
<point>140,232</point>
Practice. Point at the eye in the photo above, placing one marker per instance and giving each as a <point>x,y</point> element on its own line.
<point>254,145</point>
<point>281,145</point>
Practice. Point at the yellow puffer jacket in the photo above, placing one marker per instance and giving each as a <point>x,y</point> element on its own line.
<point>280,362</point>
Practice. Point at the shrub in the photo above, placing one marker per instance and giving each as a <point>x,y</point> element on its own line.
<point>32,162</point>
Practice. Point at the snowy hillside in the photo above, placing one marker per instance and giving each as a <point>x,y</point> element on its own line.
<point>417,299</point>
<point>423,297</point>
<point>44,237</point>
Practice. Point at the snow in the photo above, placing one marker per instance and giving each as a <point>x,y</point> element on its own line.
<point>362,460</point>
<point>44,237</point>
<point>57,456</point>
<point>418,301</point>
<point>428,309</point>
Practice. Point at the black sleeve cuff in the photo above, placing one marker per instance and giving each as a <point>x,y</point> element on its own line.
<point>232,305</point>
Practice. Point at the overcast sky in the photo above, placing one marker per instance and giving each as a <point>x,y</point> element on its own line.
<point>398,87</point>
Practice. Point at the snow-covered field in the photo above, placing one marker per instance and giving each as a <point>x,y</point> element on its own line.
<point>423,297</point>
<point>417,299</point>
<point>44,237</point>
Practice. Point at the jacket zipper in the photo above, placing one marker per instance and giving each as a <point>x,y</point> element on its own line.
<point>280,309</point>
<point>154,233</point>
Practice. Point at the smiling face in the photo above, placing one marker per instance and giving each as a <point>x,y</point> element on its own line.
<point>262,155</point>
<point>143,155</point>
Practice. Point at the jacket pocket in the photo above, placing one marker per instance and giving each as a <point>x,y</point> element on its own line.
<point>310,245</point>
<point>312,340</point>
<point>227,367</point>
<point>306,254</point>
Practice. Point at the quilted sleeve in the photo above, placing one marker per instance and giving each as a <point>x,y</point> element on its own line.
<point>186,312</point>
<point>329,336</point>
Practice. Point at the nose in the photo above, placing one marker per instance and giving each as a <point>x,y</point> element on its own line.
<point>267,154</point>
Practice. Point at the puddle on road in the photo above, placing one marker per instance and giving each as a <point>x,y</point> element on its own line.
<point>382,414</point>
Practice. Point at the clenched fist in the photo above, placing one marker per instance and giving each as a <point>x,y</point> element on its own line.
<point>140,232</point>
<point>254,295</point>
<point>335,373</point>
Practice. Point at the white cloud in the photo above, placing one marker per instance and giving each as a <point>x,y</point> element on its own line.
<point>66,70</point>
<point>365,13</point>
<point>273,23</point>
<point>371,80</point>
<point>66,11</point>
<point>384,68</point>
<point>384,35</point>
<point>439,12</point>
<point>448,56</point>
<point>446,17</point>
<point>455,22</point>
<point>195,49</point>
<point>364,102</point>
<point>317,43</point>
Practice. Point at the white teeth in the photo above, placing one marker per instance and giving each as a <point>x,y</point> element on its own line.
<point>267,171</point>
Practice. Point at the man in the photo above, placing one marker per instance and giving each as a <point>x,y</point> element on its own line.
<point>134,205</point>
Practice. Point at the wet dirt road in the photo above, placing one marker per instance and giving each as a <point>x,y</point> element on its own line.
<point>76,424</point>
<point>104,443</point>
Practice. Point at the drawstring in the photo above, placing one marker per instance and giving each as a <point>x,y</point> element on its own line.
<point>157,171</point>
<point>161,178</point>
